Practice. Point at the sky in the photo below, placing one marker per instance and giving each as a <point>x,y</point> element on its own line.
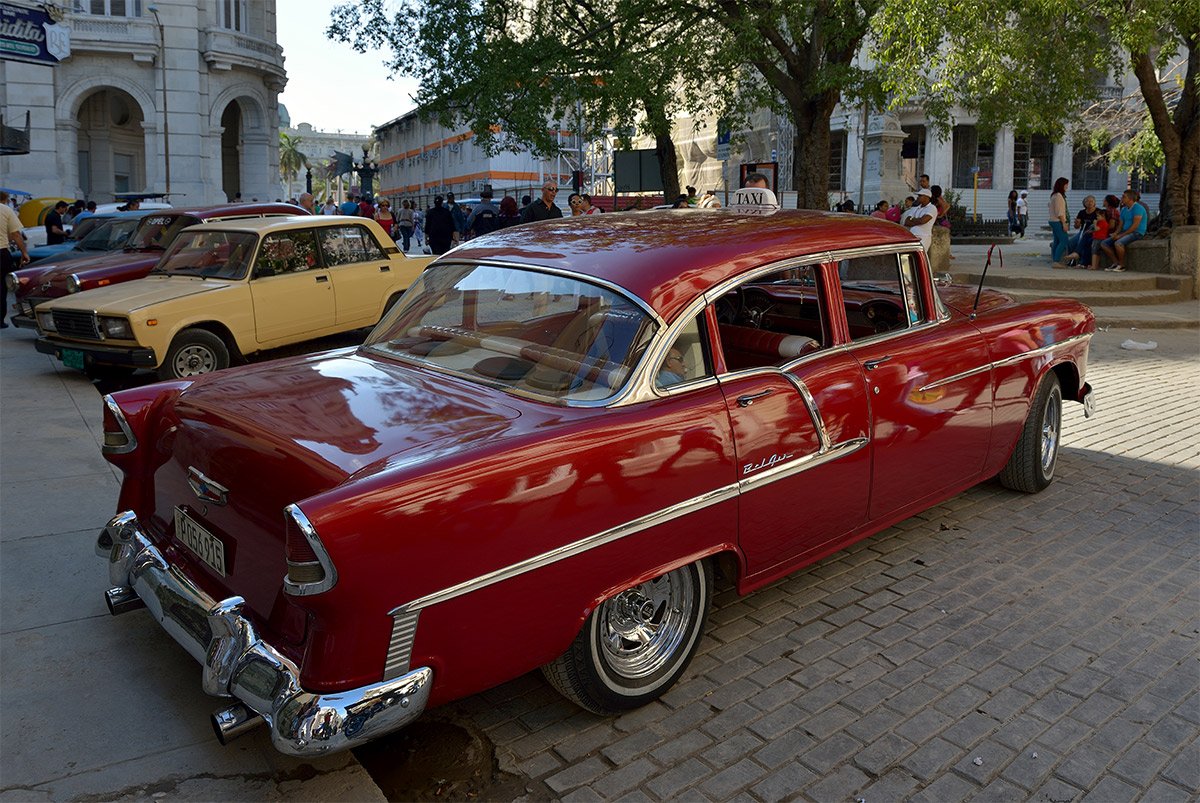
<point>329,84</point>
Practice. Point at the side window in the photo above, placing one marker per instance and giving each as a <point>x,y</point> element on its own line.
<point>344,245</point>
<point>773,319</point>
<point>687,358</point>
<point>286,252</point>
<point>881,294</point>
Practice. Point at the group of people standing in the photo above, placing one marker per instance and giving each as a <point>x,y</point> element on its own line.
<point>919,212</point>
<point>1108,230</point>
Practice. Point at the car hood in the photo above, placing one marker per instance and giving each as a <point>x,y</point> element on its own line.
<point>333,416</point>
<point>96,267</point>
<point>138,294</point>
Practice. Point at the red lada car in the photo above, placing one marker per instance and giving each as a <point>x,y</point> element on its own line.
<point>541,454</point>
<point>46,280</point>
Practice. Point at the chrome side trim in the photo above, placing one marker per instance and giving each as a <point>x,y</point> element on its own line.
<point>814,413</point>
<point>115,409</point>
<point>804,463</point>
<point>571,550</point>
<point>1013,360</point>
<point>236,661</point>
<point>399,655</point>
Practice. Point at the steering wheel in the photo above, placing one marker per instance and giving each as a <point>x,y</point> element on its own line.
<point>756,304</point>
<point>729,307</point>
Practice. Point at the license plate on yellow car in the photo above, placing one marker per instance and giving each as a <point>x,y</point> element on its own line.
<point>200,541</point>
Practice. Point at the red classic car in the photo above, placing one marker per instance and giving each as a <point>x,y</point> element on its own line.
<point>541,454</point>
<point>49,279</point>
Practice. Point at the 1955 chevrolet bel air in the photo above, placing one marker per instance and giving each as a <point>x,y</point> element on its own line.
<point>583,417</point>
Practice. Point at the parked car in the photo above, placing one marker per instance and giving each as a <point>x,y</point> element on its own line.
<point>33,285</point>
<point>543,452</point>
<point>95,234</point>
<point>226,290</point>
<point>33,214</point>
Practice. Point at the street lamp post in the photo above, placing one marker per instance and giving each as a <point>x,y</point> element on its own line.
<point>366,170</point>
<point>162,61</point>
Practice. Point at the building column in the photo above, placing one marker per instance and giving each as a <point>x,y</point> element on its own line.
<point>1064,153</point>
<point>939,157</point>
<point>1002,160</point>
<point>154,160</point>
<point>255,161</point>
<point>67,146</point>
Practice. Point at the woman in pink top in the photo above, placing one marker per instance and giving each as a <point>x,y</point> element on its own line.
<point>1058,222</point>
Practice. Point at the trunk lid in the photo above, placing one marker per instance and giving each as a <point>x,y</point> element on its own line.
<point>274,434</point>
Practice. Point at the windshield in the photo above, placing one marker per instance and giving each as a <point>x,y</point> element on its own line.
<point>85,227</point>
<point>156,232</point>
<point>109,236</point>
<point>520,329</point>
<point>212,254</point>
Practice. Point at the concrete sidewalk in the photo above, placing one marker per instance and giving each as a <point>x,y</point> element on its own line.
<point>90,705</point>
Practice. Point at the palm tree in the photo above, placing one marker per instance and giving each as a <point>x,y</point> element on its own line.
<point>291,159</point>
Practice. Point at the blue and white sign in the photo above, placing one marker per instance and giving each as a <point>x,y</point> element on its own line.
<point>32,35</point>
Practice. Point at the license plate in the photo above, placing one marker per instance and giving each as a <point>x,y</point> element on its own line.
<point>73,358</point>
<point>200,541</point>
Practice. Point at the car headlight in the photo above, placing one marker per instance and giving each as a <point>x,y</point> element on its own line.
<point>46,321</point>
<point>11,280</point>
<point>116,328</point>
<point>73,284</point>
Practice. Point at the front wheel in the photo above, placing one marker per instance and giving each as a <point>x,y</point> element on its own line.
<point>194,352</point>
<point>1031,467</point>
<point>635,645</point>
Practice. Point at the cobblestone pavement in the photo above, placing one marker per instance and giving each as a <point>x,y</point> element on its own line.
<point>997,647</point>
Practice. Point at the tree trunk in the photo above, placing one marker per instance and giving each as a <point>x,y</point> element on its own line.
<point>664,148</point>
<point>810,155</point>
<point>1179,137</point>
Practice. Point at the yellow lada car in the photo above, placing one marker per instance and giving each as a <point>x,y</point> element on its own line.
<point>226,290</point>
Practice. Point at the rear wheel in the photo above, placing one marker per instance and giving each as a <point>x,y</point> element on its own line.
<point>194,352</point>
<point>635,645</point>
<point>1031,467</point>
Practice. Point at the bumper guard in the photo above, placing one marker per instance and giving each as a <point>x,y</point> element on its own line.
<point>237,663</point>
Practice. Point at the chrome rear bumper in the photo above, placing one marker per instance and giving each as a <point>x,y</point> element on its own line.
<point>237,663</point>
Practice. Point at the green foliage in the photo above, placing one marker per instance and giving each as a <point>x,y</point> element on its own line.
<point>291,159</point>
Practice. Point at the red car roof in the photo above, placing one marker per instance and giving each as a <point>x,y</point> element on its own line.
<point>668,257</point>
<point>224,210</point>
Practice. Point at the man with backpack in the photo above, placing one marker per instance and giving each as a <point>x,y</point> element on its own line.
<point>485,217</point>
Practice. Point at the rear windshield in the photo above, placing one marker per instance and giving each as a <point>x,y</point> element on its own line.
<point>110,236</point>
<point>536,333</point>
<point>157,231</point>
<point>212,254</point>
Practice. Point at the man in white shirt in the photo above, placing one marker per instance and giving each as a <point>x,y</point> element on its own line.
<point>919,220</point>
<point>1023,211</point>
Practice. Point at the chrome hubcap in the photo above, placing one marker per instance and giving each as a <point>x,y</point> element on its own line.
<point>1051,422</point>
<point>194,360</point>
<point>641,629</point>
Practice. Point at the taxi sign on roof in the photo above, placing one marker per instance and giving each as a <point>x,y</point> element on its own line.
<point>754,201</point>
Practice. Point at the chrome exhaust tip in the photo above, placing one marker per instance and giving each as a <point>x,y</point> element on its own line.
<point>122,600</point>
<point>234,721</point>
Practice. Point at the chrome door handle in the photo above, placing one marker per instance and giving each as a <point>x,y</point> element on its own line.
<point>871,365</point>
<point>746,401</point>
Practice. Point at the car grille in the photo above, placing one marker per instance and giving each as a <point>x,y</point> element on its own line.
<point>81,325</point>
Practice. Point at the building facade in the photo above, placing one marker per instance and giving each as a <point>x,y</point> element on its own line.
<point>418,160</point>
<point>196,79</point>
<point>319,147</point>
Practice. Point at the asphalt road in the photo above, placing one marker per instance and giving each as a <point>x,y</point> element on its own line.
<point>996,647</point>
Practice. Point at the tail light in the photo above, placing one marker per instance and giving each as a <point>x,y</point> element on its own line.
<point>309,569</point>
<point>118,437</point>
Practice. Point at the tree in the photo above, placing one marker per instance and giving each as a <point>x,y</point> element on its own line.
<point>518,73</point>
<point>1038,65</point>
<point>291,159</point>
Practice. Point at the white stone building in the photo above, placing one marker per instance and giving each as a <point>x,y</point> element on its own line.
<point>101,123</point>
<point>319,147</point>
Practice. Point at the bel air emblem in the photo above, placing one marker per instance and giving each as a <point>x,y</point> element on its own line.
<point>205,488</point>
<point>766,462</point>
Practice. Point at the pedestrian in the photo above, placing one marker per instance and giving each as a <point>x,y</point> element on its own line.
<point>756,179</point>
<point>485,217</point>
<point>1079,244</point>
<point>365,207</point>
<point>1109,219</point>
<point>1014,219</point>
<point>458,216</point>
<point>693,200</point>
<point>306,203</point>
<point>575,204</point>
<point>385,218</point>
<point>349,206</point>
<point>543,208</point>
<point>921,217</point>
<point>510,215</point>
<point>418,225</point>
<point>881,210</point>
<point>10,230</point>
<point>55,233</point>
<point>88,210</point>
<point>1058,221</point>
<point>1023,212</point>
<point>710,200</point>
<point>439,227</point>
<point>590,208</point>
<point>404,222</point>
<point>1134,219</point>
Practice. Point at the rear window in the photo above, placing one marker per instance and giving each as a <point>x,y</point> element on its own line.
<point>536,333</point>
<point>158,231</point>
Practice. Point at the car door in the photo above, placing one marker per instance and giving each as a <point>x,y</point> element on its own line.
<point>931,406</point>
<point>799,416</point>
<point>361,274</point>
<point>291,290</point>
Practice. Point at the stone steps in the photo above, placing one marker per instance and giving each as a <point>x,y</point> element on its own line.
<point>1094,288</point>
